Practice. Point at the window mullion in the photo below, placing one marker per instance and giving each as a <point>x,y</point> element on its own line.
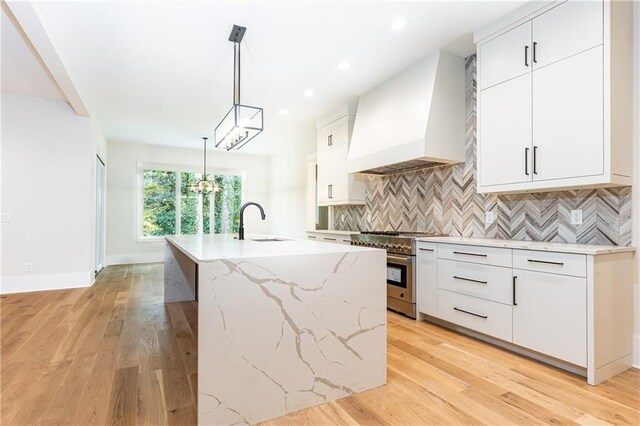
<point>178,203</point>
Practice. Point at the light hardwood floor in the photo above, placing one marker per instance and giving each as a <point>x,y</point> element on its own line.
<point>115,354</point>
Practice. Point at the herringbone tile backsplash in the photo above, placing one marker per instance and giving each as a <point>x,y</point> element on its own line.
<point>444,200</point>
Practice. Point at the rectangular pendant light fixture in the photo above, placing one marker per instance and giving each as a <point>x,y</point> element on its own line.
<point>243,122</point>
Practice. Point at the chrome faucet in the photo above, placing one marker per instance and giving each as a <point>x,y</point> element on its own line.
<point>244,206</point>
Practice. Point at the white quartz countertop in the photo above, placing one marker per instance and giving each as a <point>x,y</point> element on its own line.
<point>205,248</point>
<point>530,245</point>
<point>332,231</point>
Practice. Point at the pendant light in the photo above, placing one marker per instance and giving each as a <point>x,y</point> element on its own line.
<point>243,122</point>
<point>204,185</point>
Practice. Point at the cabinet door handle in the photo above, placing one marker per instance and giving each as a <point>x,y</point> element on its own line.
<point>330,140</point>
<point>310,236</point>
<point>526,161</point>
<point>546,262</point>
<point>330,191</point>
<point>469,279</point>
<point>535,44</point>
<point>535,158</point>
<point>455,308</point>
<point>526,56</point>
<point>514,290</point>
<point>424,249</point>
<point>329,239</point>
<point>470,254</point>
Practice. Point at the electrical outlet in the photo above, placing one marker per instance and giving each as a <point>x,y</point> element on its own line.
<point>576,217</point>
<point>489,218</point>
<point>5,217</point>
<point>28,267</point>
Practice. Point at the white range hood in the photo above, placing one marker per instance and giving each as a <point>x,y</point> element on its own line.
<point>414,120</point>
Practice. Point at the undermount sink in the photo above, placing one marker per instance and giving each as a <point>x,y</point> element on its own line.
<point>267,240</point>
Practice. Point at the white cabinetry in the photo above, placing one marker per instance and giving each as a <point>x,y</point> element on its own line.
<point>505,120</point>
<point>555,98</point>
<point>503,58</point>
<point>569,308</point>
<point>572,146</point>
<point>335,185</point>
<point>427,278</point>
<point>337,237</point>
<point>550,315</point>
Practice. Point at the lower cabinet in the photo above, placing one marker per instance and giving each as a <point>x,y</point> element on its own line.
<point>485,316</point>
<point>571,307</point>
<point>427,278</point>
<point>550,315</point>
<point>327,237</point>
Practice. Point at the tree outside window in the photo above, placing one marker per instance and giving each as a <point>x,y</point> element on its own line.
<point>197,213</point>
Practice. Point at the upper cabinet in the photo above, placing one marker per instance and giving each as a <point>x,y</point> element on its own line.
<point>555,105</point>
<point>335,186</point>
<point>505,57</point>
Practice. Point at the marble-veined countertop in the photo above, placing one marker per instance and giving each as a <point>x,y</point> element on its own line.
<point>531,245</point>
<point>206,248</point>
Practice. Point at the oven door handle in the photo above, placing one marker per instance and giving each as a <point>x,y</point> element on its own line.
<point>400,259</point>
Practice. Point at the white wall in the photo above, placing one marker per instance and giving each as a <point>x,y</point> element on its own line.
<point>48,160</point>
<point>636,179</point>
<point>289,182</point>
<point>122,194</point>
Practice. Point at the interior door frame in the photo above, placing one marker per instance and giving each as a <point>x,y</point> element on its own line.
<point>100,225</point>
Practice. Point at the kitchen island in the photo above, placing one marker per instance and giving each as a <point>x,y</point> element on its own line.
<point>282,324</point>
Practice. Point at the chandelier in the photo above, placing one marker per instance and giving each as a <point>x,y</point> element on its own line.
<point>204,185</point>
<point>243,122</point>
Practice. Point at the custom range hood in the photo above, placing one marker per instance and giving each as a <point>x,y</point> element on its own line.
<point>414,120</point>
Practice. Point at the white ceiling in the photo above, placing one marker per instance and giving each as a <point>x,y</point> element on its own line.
<point>21,71</point>
<point>161,72</point>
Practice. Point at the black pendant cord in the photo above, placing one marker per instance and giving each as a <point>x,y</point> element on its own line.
<point>236,73</point>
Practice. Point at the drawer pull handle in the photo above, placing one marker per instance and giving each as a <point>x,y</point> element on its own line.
<point>514,290</point>
<point>455,308</point>
<point>346,241</point>
<point>329,239</point>
<point>470,254</point>
<point>469,279</point>
<point>310,236</point>
<point>546,262</point>
<point>424,249</point>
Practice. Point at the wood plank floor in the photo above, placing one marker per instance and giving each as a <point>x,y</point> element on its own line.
<point>115,354</point>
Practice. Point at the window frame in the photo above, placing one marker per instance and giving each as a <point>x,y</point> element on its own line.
<point>178,169</point>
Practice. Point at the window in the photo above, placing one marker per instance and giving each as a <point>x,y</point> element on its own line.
<point>170,207</point>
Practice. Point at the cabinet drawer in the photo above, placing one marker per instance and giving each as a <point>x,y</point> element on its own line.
<point>483,281</point>
<point>475,254</point>
<point>333,134</point>
<point>490,318</point>
<point>555,263</point>
<point>329,238</point>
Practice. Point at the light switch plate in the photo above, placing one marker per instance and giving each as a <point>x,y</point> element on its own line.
<point>28,267</point>
<point>5,217</point>
<point>489,218</point>
<point>576,217</point>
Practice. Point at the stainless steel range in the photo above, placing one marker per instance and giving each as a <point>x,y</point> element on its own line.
<point>401,271</point>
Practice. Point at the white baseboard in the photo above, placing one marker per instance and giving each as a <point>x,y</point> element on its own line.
<point>25,283</point>
<point>636,351</point>
<point>127,259</point>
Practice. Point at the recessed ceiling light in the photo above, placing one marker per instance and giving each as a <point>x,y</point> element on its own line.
<point>308,92</point>
<point>344,65</point>
<point>399,23</point>
<point>284,111</point>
